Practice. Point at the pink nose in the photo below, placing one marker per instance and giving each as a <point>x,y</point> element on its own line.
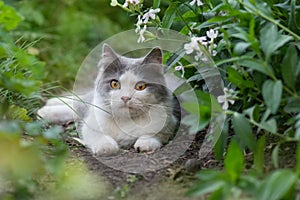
<point>125,98</point>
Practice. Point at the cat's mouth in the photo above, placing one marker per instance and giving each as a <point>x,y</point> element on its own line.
<point>134,110</point>
<point>128,106</point>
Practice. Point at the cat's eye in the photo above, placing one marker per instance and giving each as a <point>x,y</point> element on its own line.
<point>140,86</point>
<point>115,84</point>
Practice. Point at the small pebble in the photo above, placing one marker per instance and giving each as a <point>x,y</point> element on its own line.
<point>192,165</point>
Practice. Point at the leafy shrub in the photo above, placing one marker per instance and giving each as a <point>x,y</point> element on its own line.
<point>255,45</point>
<point>21,72</point>
<point>34,162</point>
<point>64,32</point>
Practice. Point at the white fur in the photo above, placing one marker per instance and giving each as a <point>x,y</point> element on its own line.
<point>58,110</point>
<point>146,143</point>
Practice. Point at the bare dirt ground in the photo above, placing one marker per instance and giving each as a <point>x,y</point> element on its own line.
<point>169,182</point>
<point>125,180</point>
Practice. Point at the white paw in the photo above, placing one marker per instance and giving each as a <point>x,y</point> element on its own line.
<point>43,112</point>
<point>104,146</point>
<point>147,144</point>
<point>56,114</point>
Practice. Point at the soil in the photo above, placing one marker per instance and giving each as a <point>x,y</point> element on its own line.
<point>161,175</point>
<point>169,173</point>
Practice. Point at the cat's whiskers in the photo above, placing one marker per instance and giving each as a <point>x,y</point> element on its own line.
<point>156,106</point>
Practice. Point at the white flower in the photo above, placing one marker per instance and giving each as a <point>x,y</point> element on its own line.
<point>214,53</point>
<point>150,14</point>
<point>141,34</point>
<point>212,34</point>
<point>132,2</point>
<point>226,98</point>
<point>199,2</point>
<point>114,3</point>
<point>200,56</point>
<point>194,44</point>
<point>212,50</point>
<point>180,68</point>
<point>138,24</point>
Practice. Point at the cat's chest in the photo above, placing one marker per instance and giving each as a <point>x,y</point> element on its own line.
<point>127,126</point>
<point>124,131</point>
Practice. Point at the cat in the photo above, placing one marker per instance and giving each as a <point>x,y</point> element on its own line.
<point>130,104</point>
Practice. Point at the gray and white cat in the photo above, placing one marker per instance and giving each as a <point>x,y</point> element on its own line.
<point>129,105</point>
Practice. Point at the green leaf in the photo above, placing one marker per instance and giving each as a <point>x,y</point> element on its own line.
<point>253,112</point>
<point>189,16</point>
<point>196,77</point>
<point>298,159</point>
<point>240,47</point>
<point>210,174</point>
<point>240,34</point>
<point>275,156</point>
<point>235,77</point>
<point>169,16</point>
<point>277,184</point>
<point>243,131</point>
<point>257,65</point>
<point>271,39</point>
<point>256,7</point>
<point>19,83</point>
<point>221,143</point>
<point>192,122</point>
<point>33,128</point>
<point>10,128</point>
<point>156,4</point>
<point>9,17</point>
<point>214,20</point>
<point>249,183</point>
<point>53,133</point>
<point>294,16</point>
<point>289,66</point>
<point>272,91</point>
<point>203,188</point>
<point>195,122</point>
<point>191,107</point>
<point>270,125</point>
<point>259,154</point>
<point>175,57</point>
<point>234,161</point>
<point>297,127</point>
<point>199,112</point>
<point>293,105</point>
<point>222,193</point>
<point>16,112</point>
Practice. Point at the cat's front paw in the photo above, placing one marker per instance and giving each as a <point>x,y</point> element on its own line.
<point>104,147</point>
<point>147,144</point>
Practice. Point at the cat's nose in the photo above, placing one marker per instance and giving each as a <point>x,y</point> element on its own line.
<point>125,98</point>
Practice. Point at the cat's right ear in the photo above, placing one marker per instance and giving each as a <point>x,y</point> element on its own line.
<point>154,56</point>
<point>108,52</point>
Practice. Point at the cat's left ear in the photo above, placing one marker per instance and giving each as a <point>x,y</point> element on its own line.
<point>108,52</point>
<point>154,56</point>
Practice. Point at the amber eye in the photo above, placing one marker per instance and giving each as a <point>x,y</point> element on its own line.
<point>140,86</point>
<point>115,84</point>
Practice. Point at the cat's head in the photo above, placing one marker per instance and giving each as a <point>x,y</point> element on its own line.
<point>133,84</point>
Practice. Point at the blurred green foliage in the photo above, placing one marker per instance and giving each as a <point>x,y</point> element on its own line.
<point>65,31</point>
<point>35,164</point>
<point>20,72</point>
<point>34,160</point>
